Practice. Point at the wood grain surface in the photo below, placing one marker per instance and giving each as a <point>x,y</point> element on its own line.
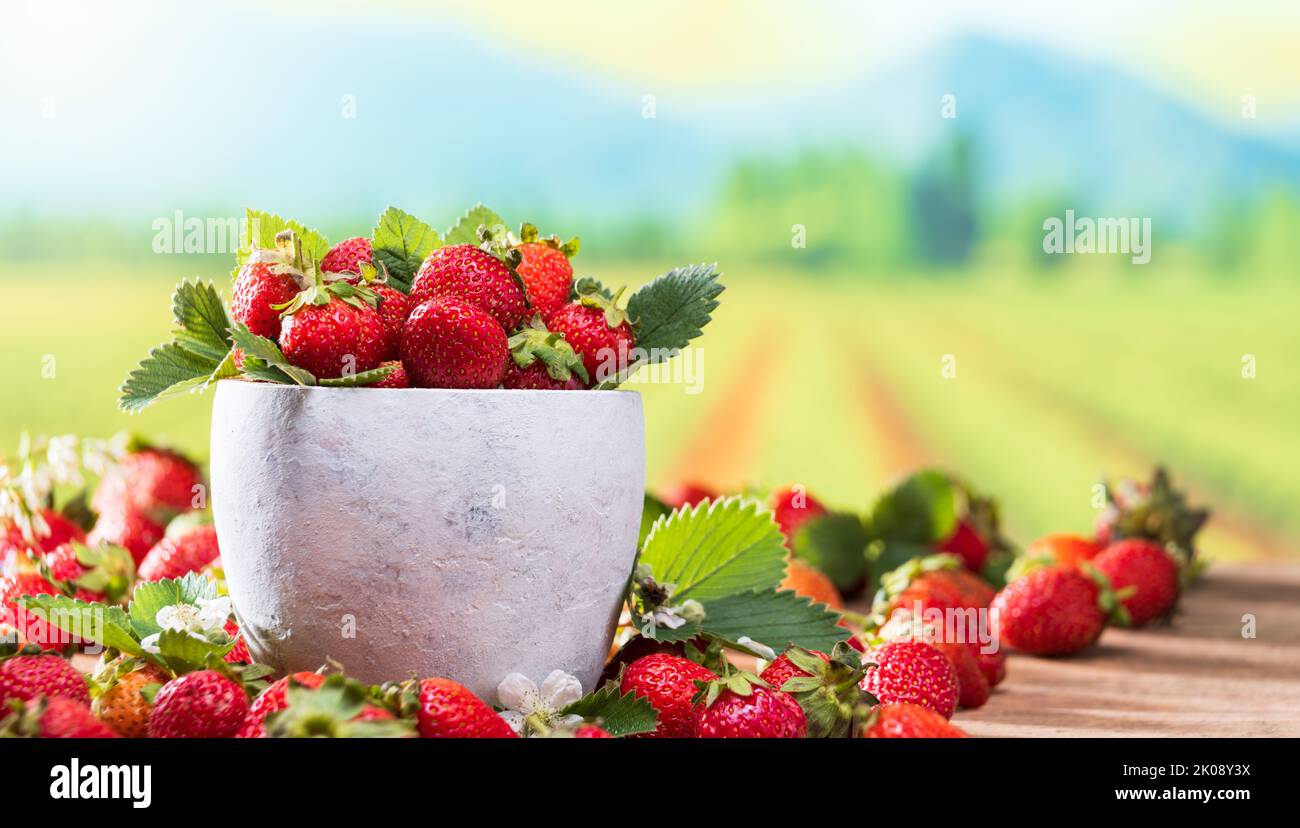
<point>1195,676</point>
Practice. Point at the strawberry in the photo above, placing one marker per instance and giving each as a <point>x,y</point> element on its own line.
<point>397,379</point>
<point>347,256</point>
<point>638,646</point>
<point>271,700</point>
<point>825,687</point>
<point>129,528</point>
<point>812,584</point>
<point>334,338</point>
<point>912,671</point>
<point>475,277</point>
<point>1052,610</point>
<point>1147,572</point>
<point>157,482</point>
<point>967,544</point>
<point>542,360</point>
<point>962,652</point>
<point>1153,511</point>
<point>449,343</point>
<point>101,573</point>
<point>238,654</point>
<point>448,710</point>
<point>976,534</point>
<point>545,269</point>
<point>1070,550</point>
<point>15,548</point>
<point>33,627</point>
<point>599,331</point>
<point>56,718</point>
<point>934,582</point>
<point>793,507</point>
<point>742,706</point>
<point>903,720</point>
<point>122,704</point>
<point>394,307</point>
<point>687,494</point>
<point>668,683</point>
<point>174,557</point>
<point>591,731</point>
<point>993,665</point>
<point>199,705</point>
<point>260,286</point>
<point>335,708</point>
<point>32,674</point>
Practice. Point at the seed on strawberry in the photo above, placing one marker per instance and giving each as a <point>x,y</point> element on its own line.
<point>599,331</point>
<point>474,276</point>
<point>394,307</point>
<point>449,343</point>
<point>347,256</point>
<point>122,704</point>
<point>903,720</point>
<point>912,671</point>
<point>1053,610</point>
<point>200,705</point>
<point>1149,575</point>
<point>447,710</point>
<point>175,557</point>
<point>397,379</point>
<point>259,287</point>
<point>30,675</point>
<point>668,683</point>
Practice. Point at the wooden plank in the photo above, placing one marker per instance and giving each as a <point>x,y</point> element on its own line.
<point>1196,676</point>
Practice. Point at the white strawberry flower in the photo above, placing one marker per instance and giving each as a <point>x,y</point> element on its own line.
<point>202,619</point>
<point>671,617</point>
<point>63,458</point>
<point>532,709</point>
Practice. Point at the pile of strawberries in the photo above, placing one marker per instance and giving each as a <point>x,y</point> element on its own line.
<point>505,313</point>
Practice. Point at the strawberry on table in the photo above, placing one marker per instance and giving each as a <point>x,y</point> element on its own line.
<point>474,276</point>
<point>668,682</point>
<point>904,720</point>
<point>121,703</point>
<point>1149,575</point>
<point>912,671</point>
<point>1053,610</point>
<point>812,584</point>
<point>1070,550</point>
<point>826,687</point>
<point>792,507</point>
<point>449,343</point>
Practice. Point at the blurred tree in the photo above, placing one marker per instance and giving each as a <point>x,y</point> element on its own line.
<point>942,204</point>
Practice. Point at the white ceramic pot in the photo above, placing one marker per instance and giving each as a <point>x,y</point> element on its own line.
<point>466,534</point>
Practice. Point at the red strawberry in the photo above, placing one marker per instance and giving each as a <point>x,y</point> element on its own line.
<point>101,573</point>
<point>966,543</point>
<point>347,256</point>
<point>599,331</point>
<point>912,671</point>
<point>28,676</point>
<point>1054,610</point>
<point>793,507</point>
<point>199,705</point>
<point>129,528</point>
<point>668,683</point>
<point>334,708</point>
<point>1154,511</point>
<point>825,687</point>
<point>811,583</point>
<point>259,287</point>
<point>909,721</point>
<point>158,482</point>
<point>272,700</point>
<point>962,652</point>
<point>687,494</point>
<point>993,665</point>
<point>397,379</point>
<point>1147,572</point>
<point>542,360</point>
<point>33,627</point>
<point>448,710</point>
<point>474,276</point>
<point>449,343</point>
<point>762,713</point>
<point>935,582</point>
<point>14,547</point>
<point>544,267</point>
<point>1070,550</point>
<point>972,684</point>
<point>57,718</point>
<point>591,731</point>
<point>121,703</point>
<point>638,646</point>
<point>174,557</point>
<point>783,669</point>
<point>394,307</point>
<point>335,338</point>
<point>238,654</point>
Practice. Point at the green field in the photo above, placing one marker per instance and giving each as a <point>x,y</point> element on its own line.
<point>836,382</point>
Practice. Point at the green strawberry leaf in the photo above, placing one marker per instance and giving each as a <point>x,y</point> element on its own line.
<point>261,231</point>
<point>465,231</point>
<point>197,356</point>
<point>263,359</point>
<point>836,544</point>
<point>358,380</point>
<point>401,243</point>
<point>151,596</point>
<point>99,623</point>
<point>620,715</point>
<point>182,652</point>
<point>922,509</point>
<point>589,286</point>
<point>719,548</point>
<point>778,619</point>
<point>884,556</point>
<point>651,510</point>
<point>673,309</point>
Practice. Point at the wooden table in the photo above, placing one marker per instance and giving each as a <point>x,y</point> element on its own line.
<point>1196,676</point>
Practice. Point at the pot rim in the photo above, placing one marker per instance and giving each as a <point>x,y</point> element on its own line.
<point>286,387</point>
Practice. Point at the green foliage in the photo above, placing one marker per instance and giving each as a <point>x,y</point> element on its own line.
<point>465,230</point>
<point>197,356</point>
<point>263,359</point>
<point>836,544</point>
<point>401,242</point>
<point>263,227</point>
<point>619,714</point>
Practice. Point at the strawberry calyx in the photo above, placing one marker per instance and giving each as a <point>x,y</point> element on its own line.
<point>320,292</point>
<point>740,682</point>
<point>590,295</point>
<point>830,695</point>
<point>528,234</point>
<point>331,710</point>
<point>19,720</point>
<point>1109,599</point>
<point>1155,511</point>
<point>107,570</point>
<point>535,342</point>
<point>896,581</point>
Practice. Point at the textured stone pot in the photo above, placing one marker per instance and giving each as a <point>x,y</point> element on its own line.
<point>465,534</point>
